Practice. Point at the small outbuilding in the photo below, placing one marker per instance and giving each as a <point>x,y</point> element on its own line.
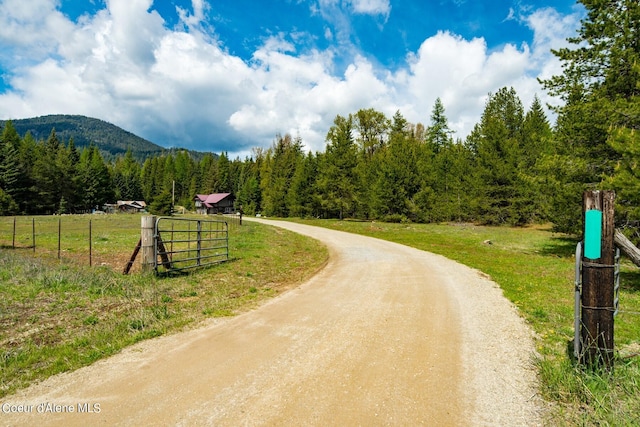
<point>130,206</point>
<point>217,203</point>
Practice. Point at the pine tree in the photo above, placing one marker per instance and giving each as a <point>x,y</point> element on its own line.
<point>599,86</point>
<point>7,205</point>
<point>396,168</point>
<point>98,187</point>
<point>277,172</point>
<point>497,141</point>
<point>336,170</point>
<point>47,175</point>
<point>11,169</point>
<point>127,178</point>
<point>301,197</point>
<point>207,174</point>
<point>70,188</point>
<point>537,147</point>
<point>439,133</point>
<point>248,195</point>
<point>28,151</point>
<point>224,174</point>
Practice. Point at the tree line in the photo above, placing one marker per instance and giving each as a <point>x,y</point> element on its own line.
<point>514,168</point>
<point>374,167</point>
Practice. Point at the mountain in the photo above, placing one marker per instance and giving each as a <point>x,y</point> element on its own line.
<point>110,139</point>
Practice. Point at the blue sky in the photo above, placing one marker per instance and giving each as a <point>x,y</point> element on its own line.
<point>228,75</point>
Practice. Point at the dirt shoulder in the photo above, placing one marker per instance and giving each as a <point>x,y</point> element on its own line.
<point>383,335</point>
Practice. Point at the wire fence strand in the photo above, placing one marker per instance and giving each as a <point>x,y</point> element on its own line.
<point>88,239</point>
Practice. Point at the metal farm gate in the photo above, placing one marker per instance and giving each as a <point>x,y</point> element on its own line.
<point>182,243</point>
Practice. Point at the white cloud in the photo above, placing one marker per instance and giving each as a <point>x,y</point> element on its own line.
<point>371,7</point>
<point>194,20</point>
<point>32,29</point>
<point>181,87</point>
<point>461,73</point>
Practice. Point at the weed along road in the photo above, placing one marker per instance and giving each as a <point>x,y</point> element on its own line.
<point>383,335</point>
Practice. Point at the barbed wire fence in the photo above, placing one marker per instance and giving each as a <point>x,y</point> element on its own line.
<point>82,239</point>
<point>89,239</point>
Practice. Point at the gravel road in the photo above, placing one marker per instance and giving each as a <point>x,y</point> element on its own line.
<point>383,335</point>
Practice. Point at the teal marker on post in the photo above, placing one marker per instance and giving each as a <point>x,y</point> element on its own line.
<point>593,234</point>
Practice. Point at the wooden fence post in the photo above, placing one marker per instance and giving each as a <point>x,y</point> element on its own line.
<point>147,236</point>
<point>59,234</point>
<point>90,245</point>
<point>598,279</point>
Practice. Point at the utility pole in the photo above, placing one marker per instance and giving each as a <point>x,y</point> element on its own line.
<point>598,279</point>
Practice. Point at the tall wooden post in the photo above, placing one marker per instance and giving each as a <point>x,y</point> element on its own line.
<point>59,235</point>
<point>147,238</point>
<point>598,279</point>
<point>90,245</point>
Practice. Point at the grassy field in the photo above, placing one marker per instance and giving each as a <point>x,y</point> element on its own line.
<point>535,269</point>
<point>59,315</point>
<point>97,240</point>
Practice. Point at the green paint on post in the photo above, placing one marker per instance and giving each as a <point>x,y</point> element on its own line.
<point>593,234</point>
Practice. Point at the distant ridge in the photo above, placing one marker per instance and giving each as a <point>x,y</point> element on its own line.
<point>111,140</point>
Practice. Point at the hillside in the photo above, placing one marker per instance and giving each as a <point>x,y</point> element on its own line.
<point>110,139</point>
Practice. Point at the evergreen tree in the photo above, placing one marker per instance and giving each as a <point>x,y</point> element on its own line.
<point>397,178</point>
<point>248,195</point>
<point>439,133</point>
<point>445,170</point>
<point>161,204</point>
<point>7,205</point>
<point>127,178</point>
<point>28,152</point>
<point>208,174</point>
<point>497,141</point>
<point>336,170</point>
<point>152,178</point>
<point>599,85</point>
<point>70,187</point>
<point>301,197</point>
<point>224,174</point>
<point>278,170</point>
<point>11,170</point>
<point>184,174</point>
<point>94,174</point>
<point>47,175</point>
<point>536,149</point>
<point>626,177</point>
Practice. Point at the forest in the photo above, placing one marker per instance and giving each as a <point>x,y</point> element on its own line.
<point>515,168</point>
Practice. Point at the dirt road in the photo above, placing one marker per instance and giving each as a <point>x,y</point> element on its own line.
<point>383,335</point>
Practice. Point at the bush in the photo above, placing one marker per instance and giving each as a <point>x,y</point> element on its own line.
<point>8,206</point>
<point>396,218</point>
<point>162,204</point>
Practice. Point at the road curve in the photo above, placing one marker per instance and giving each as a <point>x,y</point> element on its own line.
<point>383,335</point>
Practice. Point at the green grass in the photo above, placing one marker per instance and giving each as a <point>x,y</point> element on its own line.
<point>60,315</point>
<point>106,240</point>
<point>535,269</point>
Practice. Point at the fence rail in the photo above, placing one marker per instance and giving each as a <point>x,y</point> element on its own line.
<point>93,240</point>
<point>86,239</point>
<point>186,243</point>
